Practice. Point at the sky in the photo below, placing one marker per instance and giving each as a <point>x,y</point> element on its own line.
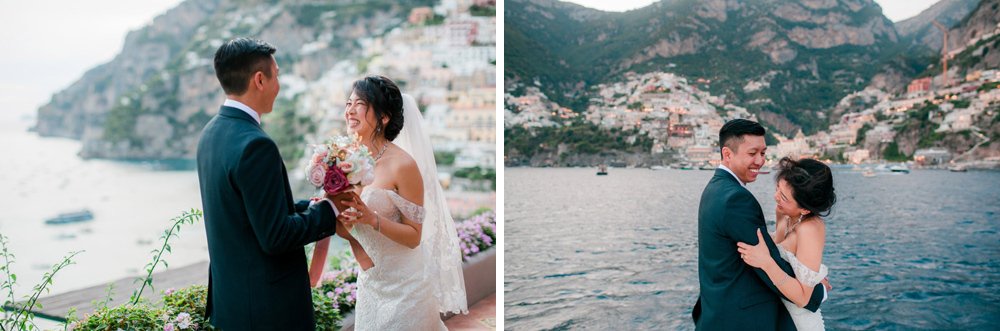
<point>48,44</point>
<point>895,10</point>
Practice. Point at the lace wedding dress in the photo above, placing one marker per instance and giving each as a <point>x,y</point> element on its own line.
<point>804,319</point>
<point>393,294</point>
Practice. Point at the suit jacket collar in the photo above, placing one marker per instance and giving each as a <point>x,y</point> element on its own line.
<point>722,174</point>
<point>731,174</point>
<point>237,114</point>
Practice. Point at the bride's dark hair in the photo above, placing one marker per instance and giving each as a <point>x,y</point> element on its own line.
<point>382,94</point>
<point>811,182</point>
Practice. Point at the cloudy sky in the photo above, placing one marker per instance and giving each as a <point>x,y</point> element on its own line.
<point>48,44</point>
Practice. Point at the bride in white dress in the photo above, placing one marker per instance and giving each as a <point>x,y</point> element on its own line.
<point>400,229</point>
<point>804,192</point>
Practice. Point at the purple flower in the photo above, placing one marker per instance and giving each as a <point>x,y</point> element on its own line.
<point>168,327</point>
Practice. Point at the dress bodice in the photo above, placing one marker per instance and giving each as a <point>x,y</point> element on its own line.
<point>805,275</point>
<point>395,293</point>
<point>804,319</point>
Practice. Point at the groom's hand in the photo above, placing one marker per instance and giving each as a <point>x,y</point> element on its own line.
<point>826,283</point>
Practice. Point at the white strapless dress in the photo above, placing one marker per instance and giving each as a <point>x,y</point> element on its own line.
<point>394,294</point>
<point>804,319</point>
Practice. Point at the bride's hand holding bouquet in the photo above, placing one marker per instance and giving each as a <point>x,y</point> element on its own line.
<point>340,167</point>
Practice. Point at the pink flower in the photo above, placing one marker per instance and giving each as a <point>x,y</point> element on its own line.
<point>317,174</point>
<point>336,181</point>
<point>319,156</point>
<point>169,291</point>
<point>168,327</point>
<point>346,167</point>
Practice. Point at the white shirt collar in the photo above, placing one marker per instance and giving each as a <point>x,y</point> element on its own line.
<point>723,167</point>
<point>245,108</point>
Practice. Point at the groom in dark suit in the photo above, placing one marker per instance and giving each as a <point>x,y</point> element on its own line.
<point>734,295</point>
<point>257,273</point>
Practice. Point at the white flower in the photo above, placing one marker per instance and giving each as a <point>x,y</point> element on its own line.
<point>183,320</point>
<point>368,179</point>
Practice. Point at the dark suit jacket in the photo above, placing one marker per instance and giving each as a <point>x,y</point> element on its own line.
<point>257,272</point>
<point>734,295</point>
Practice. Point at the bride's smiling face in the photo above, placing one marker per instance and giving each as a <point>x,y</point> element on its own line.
<point>359,116</point>
<point>786,202</point>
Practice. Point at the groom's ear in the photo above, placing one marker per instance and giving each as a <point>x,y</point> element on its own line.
<point>257,80</point>
<point>726,153</point>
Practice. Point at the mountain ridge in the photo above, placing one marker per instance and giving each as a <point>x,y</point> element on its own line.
<point>810,53</point>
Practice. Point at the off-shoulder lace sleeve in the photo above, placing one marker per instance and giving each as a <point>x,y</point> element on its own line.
<point>806,276</point>
<point>408,209</point>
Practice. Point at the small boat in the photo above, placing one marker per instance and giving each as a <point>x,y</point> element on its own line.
<point>602,170</point>
<point>868,173</point>
<point>656,167</point>
<point>73,217</point>
<point>706,166</point>
<point>957,168</point>
<point>899,169</point>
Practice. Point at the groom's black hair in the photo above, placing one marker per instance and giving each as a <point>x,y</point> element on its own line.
<point>237,60</point>
<point>731,134</point>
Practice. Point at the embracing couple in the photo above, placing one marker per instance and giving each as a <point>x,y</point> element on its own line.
<point>750,279</point>
<point>399,226</point>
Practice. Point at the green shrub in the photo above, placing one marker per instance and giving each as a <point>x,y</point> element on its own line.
<point>125,317</point>
<point>325,311</point>
<point>337,293</point>
<point>190,300</point>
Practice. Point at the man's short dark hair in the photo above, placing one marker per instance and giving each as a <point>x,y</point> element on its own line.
<point>731,134</point>
<point>237,60</point>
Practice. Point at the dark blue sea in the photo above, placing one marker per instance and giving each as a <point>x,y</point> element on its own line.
<point>913,251</point>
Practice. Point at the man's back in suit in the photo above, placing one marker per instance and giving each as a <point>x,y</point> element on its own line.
<point>257,271</point>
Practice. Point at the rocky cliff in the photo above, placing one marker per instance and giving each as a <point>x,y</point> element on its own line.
<point>921,32</point>
<point>976,38</point>
<point>153,98</point>
<point>804,54</point>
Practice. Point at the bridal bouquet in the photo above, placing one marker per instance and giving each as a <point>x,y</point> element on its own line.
<point>339,164</point>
